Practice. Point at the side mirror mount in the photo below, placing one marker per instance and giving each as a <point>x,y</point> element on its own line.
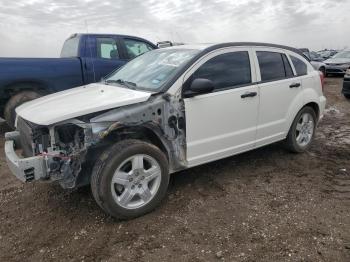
<point>199,86</point>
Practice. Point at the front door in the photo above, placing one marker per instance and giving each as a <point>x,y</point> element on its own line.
<point>223,122</point>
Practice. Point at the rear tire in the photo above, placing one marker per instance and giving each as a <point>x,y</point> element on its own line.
<point>302,131</point>
<point>130,179</point>
<point>347,96</point>
<point>15,101</point>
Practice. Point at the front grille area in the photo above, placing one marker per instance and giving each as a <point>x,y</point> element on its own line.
<point>333,70</point>
<point>34,138</point>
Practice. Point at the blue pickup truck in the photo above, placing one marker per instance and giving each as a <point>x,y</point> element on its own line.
<point>85,58</point>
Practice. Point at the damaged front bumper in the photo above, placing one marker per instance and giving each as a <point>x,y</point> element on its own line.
<point>25,169</point>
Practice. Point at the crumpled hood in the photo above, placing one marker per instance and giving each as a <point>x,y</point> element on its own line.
<point>337,61</point>
<point>78,101</point>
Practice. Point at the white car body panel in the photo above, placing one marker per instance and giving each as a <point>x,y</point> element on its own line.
<point>228,127</point>
<point>222,131</point>
<point>78,101</point>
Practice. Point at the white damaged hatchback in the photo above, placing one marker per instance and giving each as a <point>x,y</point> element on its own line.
<point>166,110</point>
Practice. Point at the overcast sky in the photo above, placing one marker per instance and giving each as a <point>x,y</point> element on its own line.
<point>39,27</point>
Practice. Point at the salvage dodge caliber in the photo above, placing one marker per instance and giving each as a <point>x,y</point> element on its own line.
<point>165,111</point>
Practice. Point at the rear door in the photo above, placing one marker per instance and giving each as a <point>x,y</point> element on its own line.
<point>223,122</point>
<point>280,92</point>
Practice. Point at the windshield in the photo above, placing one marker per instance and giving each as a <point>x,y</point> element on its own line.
<point>344,54</point>
<point>153,69</point>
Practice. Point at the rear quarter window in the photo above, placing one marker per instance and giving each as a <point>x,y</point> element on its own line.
<point>299,65</point>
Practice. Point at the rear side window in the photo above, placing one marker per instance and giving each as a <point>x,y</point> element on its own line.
<point>107,48</point>
<point>299,65</point>
<point>271,66</point>
<point>226,70</point>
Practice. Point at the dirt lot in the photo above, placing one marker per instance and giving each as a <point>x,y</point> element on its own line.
<point>265,205</point>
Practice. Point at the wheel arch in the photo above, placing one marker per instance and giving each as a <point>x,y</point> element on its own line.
<point>313,104</point>
<point>145,133</point>
<point>16,87</point>
<point>25,85</point>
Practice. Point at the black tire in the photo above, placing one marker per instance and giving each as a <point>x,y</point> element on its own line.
<point>290,142</point>
<point>347,96</point>
<point>105,167</point>
<point>15,101</point>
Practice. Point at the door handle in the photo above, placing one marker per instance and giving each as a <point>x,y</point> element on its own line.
<point>295,85</point>
<point>249,94</point>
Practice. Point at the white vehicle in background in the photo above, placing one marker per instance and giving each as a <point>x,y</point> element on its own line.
<point>165,111</point>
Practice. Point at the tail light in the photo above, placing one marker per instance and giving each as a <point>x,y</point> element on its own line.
<point>322,80</point>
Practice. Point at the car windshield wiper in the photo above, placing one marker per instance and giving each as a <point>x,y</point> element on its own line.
<point>122,82</point>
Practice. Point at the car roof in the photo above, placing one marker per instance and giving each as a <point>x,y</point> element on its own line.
<point>210,47</point>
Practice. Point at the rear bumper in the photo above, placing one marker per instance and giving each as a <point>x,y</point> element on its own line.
<point>346,86</point>
<point>25,169</point>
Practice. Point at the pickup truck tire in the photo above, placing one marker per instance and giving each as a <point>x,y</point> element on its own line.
<point>302,131</point>
<point>130,179</point>
<point>15,101</point>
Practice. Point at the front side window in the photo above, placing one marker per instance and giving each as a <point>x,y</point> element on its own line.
<point>226,70</point>
<point>153,69</point>
<point>299,65</point>
<point>135,47</point>
<point>107,48</point>
<point>271,66</point>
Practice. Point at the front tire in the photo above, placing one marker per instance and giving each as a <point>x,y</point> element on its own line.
<point>347,96</point>
<point>130,179</point>
<point>302,131</point>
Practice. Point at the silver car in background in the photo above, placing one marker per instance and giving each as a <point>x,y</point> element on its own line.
<point>339,63</point>
<point>315,60</point>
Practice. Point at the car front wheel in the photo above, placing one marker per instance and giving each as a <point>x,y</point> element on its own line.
<point>302,131</point>
<point>130,179</point>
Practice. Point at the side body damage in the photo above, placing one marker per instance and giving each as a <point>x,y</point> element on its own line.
<point>70,148</point>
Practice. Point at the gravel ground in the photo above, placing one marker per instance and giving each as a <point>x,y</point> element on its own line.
<point>264,205</point>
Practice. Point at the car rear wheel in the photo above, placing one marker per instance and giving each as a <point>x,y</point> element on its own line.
<point>302,131</point>
<point>15,101</point>
<point>130,179</point>
<point>347,96</point>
